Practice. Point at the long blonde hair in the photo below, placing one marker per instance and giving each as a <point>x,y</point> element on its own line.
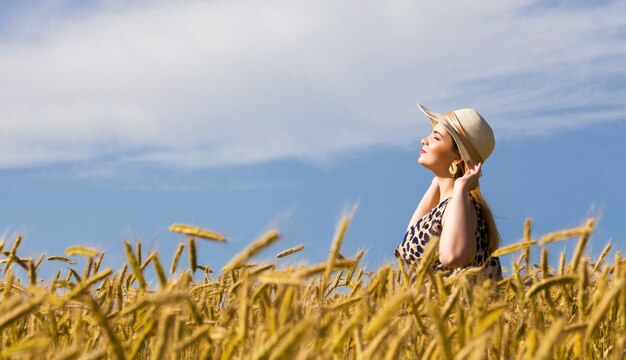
<point>493,236</point>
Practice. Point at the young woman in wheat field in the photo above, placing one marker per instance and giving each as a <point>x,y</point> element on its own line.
<point>453,207</point>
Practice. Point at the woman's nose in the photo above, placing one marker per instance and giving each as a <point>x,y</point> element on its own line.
<point>423,141</point>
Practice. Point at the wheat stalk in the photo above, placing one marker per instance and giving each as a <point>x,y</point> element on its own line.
<point>267,239</point>
<point>195,231</point>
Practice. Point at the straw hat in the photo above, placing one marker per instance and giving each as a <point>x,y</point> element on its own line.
<point>471,133</point>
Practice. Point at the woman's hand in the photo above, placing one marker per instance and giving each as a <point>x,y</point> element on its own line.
<point>469,180</point>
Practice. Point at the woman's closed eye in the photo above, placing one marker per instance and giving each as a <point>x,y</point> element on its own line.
<point>436,135</point>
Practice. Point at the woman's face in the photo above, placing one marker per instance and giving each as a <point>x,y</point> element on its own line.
<point>438,151</point>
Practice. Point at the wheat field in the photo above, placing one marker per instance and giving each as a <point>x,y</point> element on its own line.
<point>334,310</point>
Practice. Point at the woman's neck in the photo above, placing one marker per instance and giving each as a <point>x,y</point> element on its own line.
<point>446,186</point>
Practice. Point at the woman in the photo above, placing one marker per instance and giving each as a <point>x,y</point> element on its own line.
<point>453,207</point>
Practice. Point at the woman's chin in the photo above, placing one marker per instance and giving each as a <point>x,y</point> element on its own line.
<point>425,165</point>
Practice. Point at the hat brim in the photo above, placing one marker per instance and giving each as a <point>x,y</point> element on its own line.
<point>440,118</point>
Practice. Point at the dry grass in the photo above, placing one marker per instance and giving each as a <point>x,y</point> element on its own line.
<point>335,309</point>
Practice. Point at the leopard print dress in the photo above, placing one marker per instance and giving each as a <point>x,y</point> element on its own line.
<point>429,226</point>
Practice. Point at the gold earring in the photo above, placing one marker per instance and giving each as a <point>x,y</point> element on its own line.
<point>453,169</point>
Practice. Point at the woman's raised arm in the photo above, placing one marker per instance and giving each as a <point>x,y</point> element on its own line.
<point>429,201</point>
<point>457,245</point>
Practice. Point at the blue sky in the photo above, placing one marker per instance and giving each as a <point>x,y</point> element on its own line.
<point>121,118</point>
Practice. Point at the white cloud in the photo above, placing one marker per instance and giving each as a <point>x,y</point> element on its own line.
<point>209,83</point>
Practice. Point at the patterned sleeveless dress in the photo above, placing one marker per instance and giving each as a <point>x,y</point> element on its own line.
<point>429,226</point>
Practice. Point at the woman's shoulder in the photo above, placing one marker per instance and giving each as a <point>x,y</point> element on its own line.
<point>439,210</point>
<point>445,212</point>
